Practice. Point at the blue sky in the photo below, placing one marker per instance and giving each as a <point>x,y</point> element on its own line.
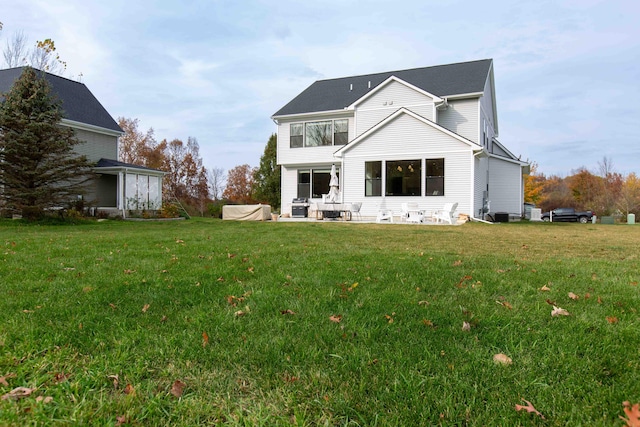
<point>567,72</point>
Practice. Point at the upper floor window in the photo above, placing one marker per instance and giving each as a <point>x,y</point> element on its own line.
<point>319,134</point>
<point>435,177</point>
<point>296,134</point>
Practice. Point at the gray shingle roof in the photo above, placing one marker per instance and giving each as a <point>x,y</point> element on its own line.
<point>78,103</point>
<point>440,80</point>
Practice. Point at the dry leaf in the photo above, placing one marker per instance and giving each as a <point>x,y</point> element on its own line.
<point>205,339</point>
<point>43,399</point>
<point>177,388</point>
<point>3,380</point>
<point>428,323</point>
<point>502,359</point>
<point>250,269</point>
<point>87,289</point>
<point>545,288</point>
<point>164,318</point>
<point>239,313</point>
<point>116,380</point>
<point>466,326</point>
<point>389,318</point>
<point>612,320</point>
<point>122,419</point>
<point>113,306</point>
<point>423,302</point>
<point>129,390</point>
<point>145,308</point>
<point>632,414</point>
<point>599,300</point>
<point>287,312</point>
<point>557,311</point>
<point>457,263</point>
<point>529,408</point>
<point>574,296</point>
<point>179,241</point>
<point>18,393</point>
<point>505,304</point>
<point>336,318</point>
<point>60,377</point>
<point>127,271</point>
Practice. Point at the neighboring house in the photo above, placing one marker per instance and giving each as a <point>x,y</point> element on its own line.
<point>118,186</point>
<point>425,135</point>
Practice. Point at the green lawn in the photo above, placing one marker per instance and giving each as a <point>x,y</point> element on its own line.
<point>205,322</point>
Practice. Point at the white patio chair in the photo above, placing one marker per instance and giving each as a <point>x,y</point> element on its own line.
<point>384,215</point>
<point>414,214</point>
<point>355,210</point>
<point>404,211</point>
<point>446,213</point>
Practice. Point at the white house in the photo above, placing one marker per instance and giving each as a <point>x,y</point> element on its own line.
<point>424,135</point>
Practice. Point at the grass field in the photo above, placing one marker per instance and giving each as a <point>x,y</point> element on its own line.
<point>205,322</point>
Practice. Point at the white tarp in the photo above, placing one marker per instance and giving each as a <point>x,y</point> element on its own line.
<point>246,212</point>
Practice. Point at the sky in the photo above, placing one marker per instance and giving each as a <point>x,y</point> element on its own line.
<point>567,73</point>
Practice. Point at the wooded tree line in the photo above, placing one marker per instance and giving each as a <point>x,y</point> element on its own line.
<point>605,192</point>
<point>201,191</point>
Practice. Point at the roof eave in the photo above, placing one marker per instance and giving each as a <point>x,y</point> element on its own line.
<point>91,128</point>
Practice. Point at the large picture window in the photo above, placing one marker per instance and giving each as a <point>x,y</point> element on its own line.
<point>435,177</point>
<point>373,178</point>
<point>319,134</point>
<point>403,178</point>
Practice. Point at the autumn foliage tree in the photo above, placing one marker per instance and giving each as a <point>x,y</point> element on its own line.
<point>240,185</point>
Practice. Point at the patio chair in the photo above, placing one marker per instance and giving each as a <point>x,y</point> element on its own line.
<point>414,214</point>
<point>404,211</point>
<point>355,210</point>
<point>384,215</point>
<point>446,213</point>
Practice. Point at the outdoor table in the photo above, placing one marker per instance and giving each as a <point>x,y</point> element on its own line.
<point>343,209</point>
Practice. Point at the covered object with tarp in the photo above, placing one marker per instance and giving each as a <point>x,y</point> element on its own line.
<point>246,212</point>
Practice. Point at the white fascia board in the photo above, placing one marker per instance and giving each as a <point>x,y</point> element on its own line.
<point>474,147</point>
<point>91,128</point>
<point>304,116</point>
<point>116,169</point>
<point>464,96</point>
<point>515,161</point>
<point>495,102</point>
<point>394,79</point>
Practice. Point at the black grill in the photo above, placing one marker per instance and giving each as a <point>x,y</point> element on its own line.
<point>300,207</point>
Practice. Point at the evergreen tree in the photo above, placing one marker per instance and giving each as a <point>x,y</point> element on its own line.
<point>267,176</point>
<point>38,166</point>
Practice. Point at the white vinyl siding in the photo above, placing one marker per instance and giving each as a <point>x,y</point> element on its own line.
<point>505,186</point>
<point>407,138</point>
<point>462,118</point>
<point>388,100</point>
<point>479,185</point>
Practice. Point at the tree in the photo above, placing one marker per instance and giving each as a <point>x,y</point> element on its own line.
<point>629,200</point>
<point>15,51</point>
<point>215,179</point>
<point>138,148</point>
<point>267,176</point>
<point>533,185</point>
<point>45,58</point>
<point>240,183</point>
<point>39,168</point>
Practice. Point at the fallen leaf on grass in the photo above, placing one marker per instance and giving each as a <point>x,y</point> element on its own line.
<point>127,271</point>
<point>612,319</point>
<point>545,288</point>
<point>129,390</point>
<point>502,359</point>
<point>179,241</point>
<point>18,393</point>
<point>457,263</point>
<point>466,326</point>
<point>529,408</point>
<point>113,306</point>
<point>145,308</point>
<point>557,311</point>
<point>573,296</point>
<point>239,313</point>
<point>336,318</point>
<point>177,388</point>
<point>60,377</point>
<point>389,318</point>
<point>122,419</point>
<point>423,303</point>
<point>116,380</point>
<point>44,399</point>
<point>632,414</point>
<point>87,289</point>
<point>3,380</point>
<point>428,323</point>
<point>505,304</point>
<point>287,312</point>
